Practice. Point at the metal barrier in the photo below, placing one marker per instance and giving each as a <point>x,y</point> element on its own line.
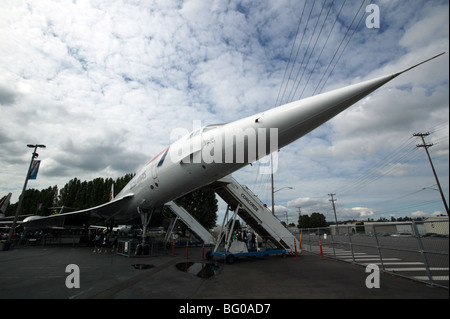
<point>127,247</point>
<point>124,247</point>
<point>418,250</point>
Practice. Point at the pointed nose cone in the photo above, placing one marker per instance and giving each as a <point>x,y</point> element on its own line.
<point>298,118</point>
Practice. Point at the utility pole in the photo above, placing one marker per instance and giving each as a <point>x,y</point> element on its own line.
<point>332,200</point>
<point>299,213</point>
<point>426,146</point>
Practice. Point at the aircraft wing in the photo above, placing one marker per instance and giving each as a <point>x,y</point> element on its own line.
<point>81,217</point>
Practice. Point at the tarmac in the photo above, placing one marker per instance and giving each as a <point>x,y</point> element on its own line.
<point>42,272</point>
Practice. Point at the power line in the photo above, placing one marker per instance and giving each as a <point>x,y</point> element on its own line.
<point>298,50</point>
<point>351,36</point>
<point>375,172</point>
<point>304,55</point>
<point>323,47</point>
<point>290,55</point>
<point>402,207</point>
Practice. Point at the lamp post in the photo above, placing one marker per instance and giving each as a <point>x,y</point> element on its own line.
<point>273,196</point>
<point>19,206</point>
<point>287,187</point>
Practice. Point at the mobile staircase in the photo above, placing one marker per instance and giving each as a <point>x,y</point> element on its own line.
<point>256,215</point>
<point>194,226</point>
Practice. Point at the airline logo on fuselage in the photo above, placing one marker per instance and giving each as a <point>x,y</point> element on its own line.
<point>139,180</point>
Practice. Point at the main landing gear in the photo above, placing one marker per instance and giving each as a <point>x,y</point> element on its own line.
<point>146,215</point>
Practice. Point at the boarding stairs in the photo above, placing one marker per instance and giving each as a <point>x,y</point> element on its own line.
<point>255,213</point>
<point>193,225</point>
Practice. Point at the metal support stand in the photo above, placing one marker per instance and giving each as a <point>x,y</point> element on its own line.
<point>230,232</point>
<point>170,230</point>
<point>146,216</point>
<point>223,230</point>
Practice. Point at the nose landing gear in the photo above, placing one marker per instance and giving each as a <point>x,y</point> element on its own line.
<point>146,215</point>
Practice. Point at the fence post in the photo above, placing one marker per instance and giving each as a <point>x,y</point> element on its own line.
<point>351,244</point>
<point>378,246</point>
<point>295,245</point>
<point>421,250</point>
<point>320,246</point>
<point>332,242</point>
<point>300,241</point>
<point>309,239</point>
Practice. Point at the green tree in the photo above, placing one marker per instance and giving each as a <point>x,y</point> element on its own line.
<point>304,221</point>
<point>86,194</point>
<point>75,194</point>
<point>202,205</point>
<point>121,182</point>
<point>68,194</point>
<point>37,202</point>
<point>313,221</point>
<point>318,220</point>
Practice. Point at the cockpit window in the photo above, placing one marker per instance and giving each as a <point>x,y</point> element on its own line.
<point>202,130</point>
<point>208,128</point>
<point>211,127</point>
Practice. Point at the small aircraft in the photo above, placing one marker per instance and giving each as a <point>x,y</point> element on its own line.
<point>214,151</point>
<point>4,204</point>
<point>7,221</point>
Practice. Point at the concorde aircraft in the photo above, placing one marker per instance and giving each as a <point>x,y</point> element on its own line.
<point>214,151</point>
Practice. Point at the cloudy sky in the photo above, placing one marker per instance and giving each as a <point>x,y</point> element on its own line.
<point>103,83</point>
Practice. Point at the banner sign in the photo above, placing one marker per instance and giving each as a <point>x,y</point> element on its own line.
<point>34,169</point>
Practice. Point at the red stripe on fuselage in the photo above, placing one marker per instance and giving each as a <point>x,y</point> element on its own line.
<point>157,155</point>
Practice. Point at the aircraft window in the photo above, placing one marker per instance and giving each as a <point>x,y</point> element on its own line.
<point>195,133</point>
<point>211,127</point>
<point>203,130</point>
<point>207,129</point>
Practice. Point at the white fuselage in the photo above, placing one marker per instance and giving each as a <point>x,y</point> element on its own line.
<point>212,152</point>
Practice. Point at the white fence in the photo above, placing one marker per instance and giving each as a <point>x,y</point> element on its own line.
<point>415,250</point>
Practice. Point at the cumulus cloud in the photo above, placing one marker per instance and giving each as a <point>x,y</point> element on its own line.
<point>104,83</point>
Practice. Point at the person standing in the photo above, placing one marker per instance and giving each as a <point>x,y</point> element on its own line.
<point>249,240</point>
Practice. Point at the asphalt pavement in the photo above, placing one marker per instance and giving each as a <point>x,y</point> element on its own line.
<point>66,272</point>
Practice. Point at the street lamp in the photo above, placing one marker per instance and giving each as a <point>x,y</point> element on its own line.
<point>273,197</point>
<point>287,187</point>
<point>19,207</point>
